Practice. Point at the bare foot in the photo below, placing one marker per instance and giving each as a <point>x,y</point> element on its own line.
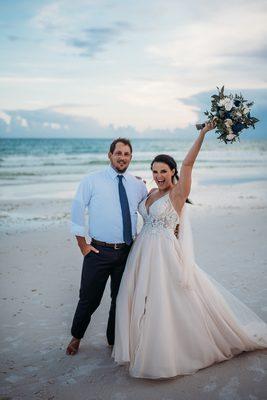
<point>73,347</point>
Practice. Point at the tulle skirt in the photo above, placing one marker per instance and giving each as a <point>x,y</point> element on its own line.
<point>165,327</point>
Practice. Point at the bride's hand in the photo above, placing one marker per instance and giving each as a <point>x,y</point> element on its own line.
<point>208,126</point>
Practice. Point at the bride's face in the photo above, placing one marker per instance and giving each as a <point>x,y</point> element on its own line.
<point>162,175</point>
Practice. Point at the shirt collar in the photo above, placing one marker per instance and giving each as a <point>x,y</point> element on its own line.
<point>113,174</point>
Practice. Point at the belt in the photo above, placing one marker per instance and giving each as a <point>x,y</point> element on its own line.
<point>116,246</point>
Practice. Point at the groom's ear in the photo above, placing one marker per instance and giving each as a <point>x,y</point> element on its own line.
<point>109,154</point>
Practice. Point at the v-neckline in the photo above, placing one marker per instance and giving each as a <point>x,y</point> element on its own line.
<point>148,209</point>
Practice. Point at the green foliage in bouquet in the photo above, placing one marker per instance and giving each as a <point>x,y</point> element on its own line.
<point>231,114</point>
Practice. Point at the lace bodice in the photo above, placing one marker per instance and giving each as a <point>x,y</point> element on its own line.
<point>160,216</point>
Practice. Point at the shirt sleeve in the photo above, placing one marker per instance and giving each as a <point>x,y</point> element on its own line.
<point>79,205</point>
<point>143,191</point>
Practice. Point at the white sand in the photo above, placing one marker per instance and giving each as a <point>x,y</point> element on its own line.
<point>40,276</point>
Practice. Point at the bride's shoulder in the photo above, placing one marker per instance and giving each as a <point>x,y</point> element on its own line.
<point>152,191</point>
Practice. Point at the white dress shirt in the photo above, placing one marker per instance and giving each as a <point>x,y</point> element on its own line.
<point>98,192</point>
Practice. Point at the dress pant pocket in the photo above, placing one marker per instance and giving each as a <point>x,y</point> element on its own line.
<point>91,253</point>
<point>88,254</point>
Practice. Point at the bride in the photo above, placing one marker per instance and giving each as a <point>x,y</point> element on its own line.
<point>172,318</point>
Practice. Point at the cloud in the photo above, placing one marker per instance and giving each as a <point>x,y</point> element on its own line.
<point>142,105</point>
<point>94,41</point>
<point>49,123</point>
<point>5,117</point>
<point>219,47</point>
<point>16,79</point>
<point>22,121</point>
<point>52,125</point>
<point>154,57</point>
<point>13,38</point>
<point>69,24</point>
<point>50,17</point>
<point>57,122</point>
<point>260,52</point>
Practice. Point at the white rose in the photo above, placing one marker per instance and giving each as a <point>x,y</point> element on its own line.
<point>230,136</point>
<point>238,114</point>
<point>222,102</point>
<point>228,122</point>
<point>228,104</point>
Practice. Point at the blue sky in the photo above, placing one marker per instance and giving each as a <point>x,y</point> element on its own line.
<point>138,64</point>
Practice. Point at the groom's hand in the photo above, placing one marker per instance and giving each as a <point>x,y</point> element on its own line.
<point>85,247</point>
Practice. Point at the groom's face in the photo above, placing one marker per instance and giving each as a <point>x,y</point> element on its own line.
<point>121,157</point>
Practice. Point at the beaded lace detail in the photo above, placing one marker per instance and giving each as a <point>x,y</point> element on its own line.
<point>161,215</point>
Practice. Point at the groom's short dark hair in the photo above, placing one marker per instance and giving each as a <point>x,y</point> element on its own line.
<point>120,140</point>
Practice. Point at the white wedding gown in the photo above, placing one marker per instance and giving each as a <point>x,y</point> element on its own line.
<point>172,318</point>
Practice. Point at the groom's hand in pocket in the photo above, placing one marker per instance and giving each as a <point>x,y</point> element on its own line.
<point>85,247</point>
<point>88,249</point>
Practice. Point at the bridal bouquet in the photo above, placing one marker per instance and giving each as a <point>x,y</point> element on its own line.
<point>231,114</point>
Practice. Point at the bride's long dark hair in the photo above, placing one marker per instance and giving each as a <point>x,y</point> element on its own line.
<point>170,161</point>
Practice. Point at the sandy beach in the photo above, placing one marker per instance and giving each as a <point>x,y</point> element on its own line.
<point>40,276</point>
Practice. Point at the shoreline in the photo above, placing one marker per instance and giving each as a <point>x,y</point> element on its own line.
<point>36,212</point>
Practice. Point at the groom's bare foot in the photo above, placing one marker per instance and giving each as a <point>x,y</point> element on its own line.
<point>73,347</point>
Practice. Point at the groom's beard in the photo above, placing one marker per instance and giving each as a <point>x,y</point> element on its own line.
<point>121,170</point>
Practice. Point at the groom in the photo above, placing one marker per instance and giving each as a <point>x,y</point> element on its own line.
<point>111,197</point>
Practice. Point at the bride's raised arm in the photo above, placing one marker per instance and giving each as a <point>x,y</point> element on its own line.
<point>183,187</point>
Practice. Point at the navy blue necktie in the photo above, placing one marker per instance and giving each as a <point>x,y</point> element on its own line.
<point>125,210</point>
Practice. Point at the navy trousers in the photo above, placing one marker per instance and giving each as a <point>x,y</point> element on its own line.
<point>97,268</point>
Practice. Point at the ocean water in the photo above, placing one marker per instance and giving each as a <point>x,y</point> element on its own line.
<point>42,168</point>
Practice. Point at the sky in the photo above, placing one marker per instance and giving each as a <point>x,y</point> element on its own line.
<point>139,65</point>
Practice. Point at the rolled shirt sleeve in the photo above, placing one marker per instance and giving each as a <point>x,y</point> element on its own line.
<point>79,205</point>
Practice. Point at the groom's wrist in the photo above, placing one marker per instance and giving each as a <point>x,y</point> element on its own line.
<point>81,242</point>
